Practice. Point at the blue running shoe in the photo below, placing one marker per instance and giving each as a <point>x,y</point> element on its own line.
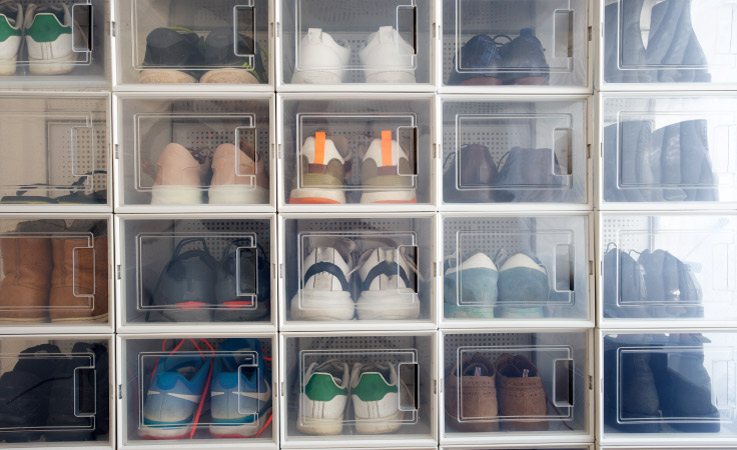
<point>523,287</point>
<point>177,388</point>
<point>240,397</point>
<point>477,61</point>
<point>471,288</point>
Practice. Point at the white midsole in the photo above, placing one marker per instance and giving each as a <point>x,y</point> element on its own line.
<point>237,194</point>
<point>316,77</point>
<point>322,305</point>
<point>329,194</point>
<point>396,77</point>
<point>53,66</point>
<point>394,304</point>
<point>164,432</point>
<point>392,196</point>
<point>8,66</point>
<point>176,195</point>
<point>245,429</point>
<point>380,425</point>
<point>311,425</point>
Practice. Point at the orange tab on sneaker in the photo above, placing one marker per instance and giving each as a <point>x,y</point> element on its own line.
<point>386,148</point>
<point>320,147</point>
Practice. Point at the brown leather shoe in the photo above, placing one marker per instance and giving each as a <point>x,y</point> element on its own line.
<point>476,392</point>
<point>521,394</point>
<point>24,290</point>
<point>80,296</point>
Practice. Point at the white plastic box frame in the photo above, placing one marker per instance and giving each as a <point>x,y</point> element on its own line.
<point>147,123</point>
<point>136,19</point>
<point>563,27</point>
<point>360,119</point>
<point>87,426</point>
<point>502,124</point>
<point>666,151</point>
<point>146,246</point>
<point>700,369</point>
<point>82,246</point>
<point>66,137</point>
<point>88,66</point>
<point>563,245</point>
<point>411,237</point>
<point>352,22</point>
<point>564,359</point>
<point>541,446</point>
<point>139,355</point>
<point>412,354</point>
<point>666,269</point>
<point>702,56</point>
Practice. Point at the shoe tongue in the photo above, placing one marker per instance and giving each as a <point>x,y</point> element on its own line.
<point>476,370</point>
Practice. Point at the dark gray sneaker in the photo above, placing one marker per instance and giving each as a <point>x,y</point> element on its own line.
<point>624,286</point>
<point>523,60</point>
<point>531,175</point>
<point>243,289</point>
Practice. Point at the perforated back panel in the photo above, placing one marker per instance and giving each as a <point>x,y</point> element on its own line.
<point>453,341</point>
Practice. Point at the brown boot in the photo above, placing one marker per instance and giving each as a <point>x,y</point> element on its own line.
<point>476,391</point>
<point>521,393</point>
<point>86,297</point>
<point>24,290</point>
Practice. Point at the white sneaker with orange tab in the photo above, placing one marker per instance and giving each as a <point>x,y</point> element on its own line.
<point>320,172</point>
<point>388,58</point>
<point>386,173</point>
<point>320,59</point>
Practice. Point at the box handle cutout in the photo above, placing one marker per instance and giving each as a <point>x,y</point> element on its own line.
<point>564,268</point>
<point>241,277</point>
<point>81,27</point>
<point>562,148</point>
<point>407,25</point>
<point>85,392</point>
<point>88,140</point>
<point>563,383</point>
<point>408,139</point>
<point>409,379</point>
<point>250,363</point>
<point>563,33</point>
<point>244,23</point>
<point>86,254</point>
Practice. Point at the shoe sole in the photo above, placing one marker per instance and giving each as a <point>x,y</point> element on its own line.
<point>316,77</point>
<point>97,319</point>
<point>229,76</point>
<point>387,197</point>
<point>391,78</point>
<point>22,320</point>
<point>56,66</point>
<point>322,305</point>
<point>164,432</point>
<point>165,76</point>
<point>8,66</point>
<point>245,430</point>
<point>176,195</point>
<point>322,427</point>
<point>184,312</point>
<point>380,425</point>
<point>316,196</point>
<point>531,81</point>
<point>237,195</point>
<point>388,305</point>
<point>507,312</point>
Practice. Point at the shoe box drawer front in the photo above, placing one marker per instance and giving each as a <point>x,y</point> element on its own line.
<point>516,268</point>
<point>189,41</point>
<point>55,44</point>
<point>55,151</point>
<point>367,388</point>
<point>55,270</point>
<point>184,153</point>
<point>667,268</point>
<point>357,271</point>
<point>545,446</point>
<point>205,272</point>
<point>357,150</point>
<point>673,41</point>
<point>514,151</point>
<point>204,388</point>
<point>526,384</point>
<point>327,43</point>
<point>666,150</point>
<point>515,43</point>
<point>55,391</point>
<point>669,383</point>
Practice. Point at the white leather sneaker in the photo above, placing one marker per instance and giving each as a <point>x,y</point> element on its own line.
<point>320,59</point>
<point>388,58</point>
<point>11,19</point>
<point>49,39</point>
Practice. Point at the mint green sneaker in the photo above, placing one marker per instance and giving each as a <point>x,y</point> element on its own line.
<point>323,398</point>
<point>49,39</point>
<point>375,395</point>
<point>11,19</point>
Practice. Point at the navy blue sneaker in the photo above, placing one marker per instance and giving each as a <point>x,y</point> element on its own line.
<point>523,60</point>
<point>185,291</point>
<point>670,285</point>
<point>478,59</point>
<point>167,51</point>
<point>625,58</point>
<point>470,180</point>
<point>624,286</point>
<point>220,50</point>
<point>243,288</point>
<point>531,175</point>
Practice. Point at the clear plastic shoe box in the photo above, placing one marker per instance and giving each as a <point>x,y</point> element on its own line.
<point>516,386</point>
<point>357,272</point>
<point>213,272</point>
<point>669,384</point>
<point>56,152</point>
<point>673,44</point>
<point>520,269</point>
<point>356,152</point>
<point>55,274</point>
<point>57,44</point>
<point>207,390</point>
<point>209,153</point>
<point>389,378</point>
<point>515,151</point>
<point>383,45</point>
<point>667,268</point>
<point>163,44</point>
<point>667,151</point>
<point>512,45</point>
<point>57,392</point>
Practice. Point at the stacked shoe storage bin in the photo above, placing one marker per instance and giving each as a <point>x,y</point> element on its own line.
<point>666,224</point>
<point>195,224</point>
<point>56,321</point>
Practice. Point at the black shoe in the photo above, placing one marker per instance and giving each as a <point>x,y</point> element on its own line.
<point>531,175</point>
<point>91,417</point>
<point>221,52</point>
<point>167,50</point>
<point>246,295</point>
<point>624,286</point>
<point>625,58</point>
<point>671,286</point>
<point>473,181</point>
<point>523,60</point>
<point>25,393</point>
